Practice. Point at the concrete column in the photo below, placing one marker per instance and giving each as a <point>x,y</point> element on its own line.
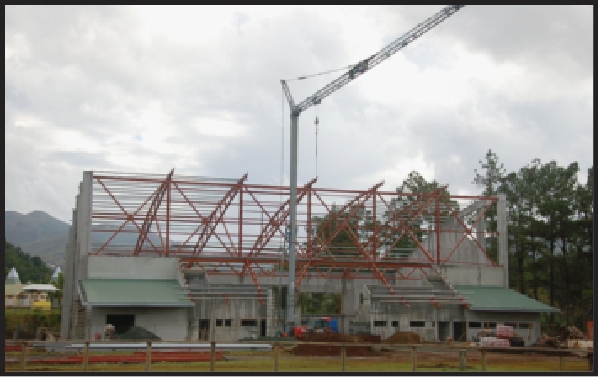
<point>270,312</point>
<point>67,294</point>
<point>503,248</point>
<point>481,229</point>
<point>84,210</point>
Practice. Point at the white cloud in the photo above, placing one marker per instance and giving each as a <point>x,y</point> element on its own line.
<point>148,88</point>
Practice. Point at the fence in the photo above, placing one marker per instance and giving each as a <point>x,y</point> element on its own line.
<point>26,355</point>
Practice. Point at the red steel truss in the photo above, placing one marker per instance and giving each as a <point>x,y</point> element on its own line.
<point>228,226</point>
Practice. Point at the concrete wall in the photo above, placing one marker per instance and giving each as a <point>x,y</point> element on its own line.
<point>404,316</point>
<point>234,311</point>
<point>170,324</point>
<point>530,335</point>
<point>124,267</point>
<point>473,275</point>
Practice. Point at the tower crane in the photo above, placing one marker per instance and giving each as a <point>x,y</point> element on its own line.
<point>296,109</point>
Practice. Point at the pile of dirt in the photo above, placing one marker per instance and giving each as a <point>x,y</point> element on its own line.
<point>403,338</point>
<point>137,333</point>
<point>325,350</point>
<point>369,338</point>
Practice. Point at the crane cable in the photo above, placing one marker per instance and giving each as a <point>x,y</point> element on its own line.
<point>321,73</point>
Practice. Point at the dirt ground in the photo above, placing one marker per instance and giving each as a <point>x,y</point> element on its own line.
<point>439,355</point>
<point>317,350</point>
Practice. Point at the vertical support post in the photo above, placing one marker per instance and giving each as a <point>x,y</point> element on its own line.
<point>212,356</point>
<point>343,358</point>
<point>24,357</point>
<point>462,360</point>
<point>168,200</point>
<point>86,356</point>
<point>501,227</point>
<point>437,216</point>
<point>240,241</point>
<point>591,361</point>
<point>484,360</point>
<point>374,227</point>
<point>290,322</point>
<point>561,364</point>
<point>276,357</point>
<point>148,357</point>
<point>413,359</point>
<point>309,225</point>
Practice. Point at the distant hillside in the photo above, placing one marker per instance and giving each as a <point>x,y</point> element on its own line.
<point>30,269</point>
<point>39,234</point>
<point>35,226</point>
<point>50,250</point>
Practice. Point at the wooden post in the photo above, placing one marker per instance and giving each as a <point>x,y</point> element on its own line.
<point>86,357</point>
<point>561,362</point>
<point>462,360</point>
<point>343,357</point>
<point>483,360</point>
<point>591,361</point>
<point>413,359</point>
<point>148,357</point>
<point>276,357</point>
<point>24,356</point>
<point>212,356</point>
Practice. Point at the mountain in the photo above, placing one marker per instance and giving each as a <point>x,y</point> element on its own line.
<point>20,229</point>
<point>38,235</point>
<point>50,250</point>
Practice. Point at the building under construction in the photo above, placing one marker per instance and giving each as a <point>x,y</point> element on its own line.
<point>190,258</point>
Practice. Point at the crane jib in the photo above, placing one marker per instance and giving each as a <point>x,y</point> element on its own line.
<point>367,64</point>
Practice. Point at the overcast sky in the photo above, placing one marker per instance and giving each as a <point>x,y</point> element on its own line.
<point>147,89</point>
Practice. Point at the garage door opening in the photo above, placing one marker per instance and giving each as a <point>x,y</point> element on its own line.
<point>121,322</point>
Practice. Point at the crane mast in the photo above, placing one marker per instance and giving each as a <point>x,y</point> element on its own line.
<point>354,72</point>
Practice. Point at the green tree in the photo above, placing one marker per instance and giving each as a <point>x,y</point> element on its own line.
<point>30,269</point>
<point>491,179</point>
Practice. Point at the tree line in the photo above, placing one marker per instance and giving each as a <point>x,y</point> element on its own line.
<point>550,232</point>
<point>30,269</point>
<point>550,217</point>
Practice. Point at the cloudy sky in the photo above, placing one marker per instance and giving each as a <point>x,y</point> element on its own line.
<point>148,89</point>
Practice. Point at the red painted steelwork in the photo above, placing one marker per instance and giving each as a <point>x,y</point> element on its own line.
<point>230,226</point>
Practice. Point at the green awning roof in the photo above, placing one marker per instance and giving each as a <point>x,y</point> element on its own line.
<point>493,298</point>
<point>133,292</point>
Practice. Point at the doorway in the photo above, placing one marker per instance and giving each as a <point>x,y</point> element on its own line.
<point>204,329</point>
<point>263,327</point>
<point>121,322</point>
<point>459,331</point>
<point>443,330</point>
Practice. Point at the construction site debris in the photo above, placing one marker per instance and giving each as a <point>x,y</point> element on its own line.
<point>546,341</point>
<point>504,332</point>
<point>486,333</point>
<point>403,338</point>
<point>490,341</point>
<point>571,332</point>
